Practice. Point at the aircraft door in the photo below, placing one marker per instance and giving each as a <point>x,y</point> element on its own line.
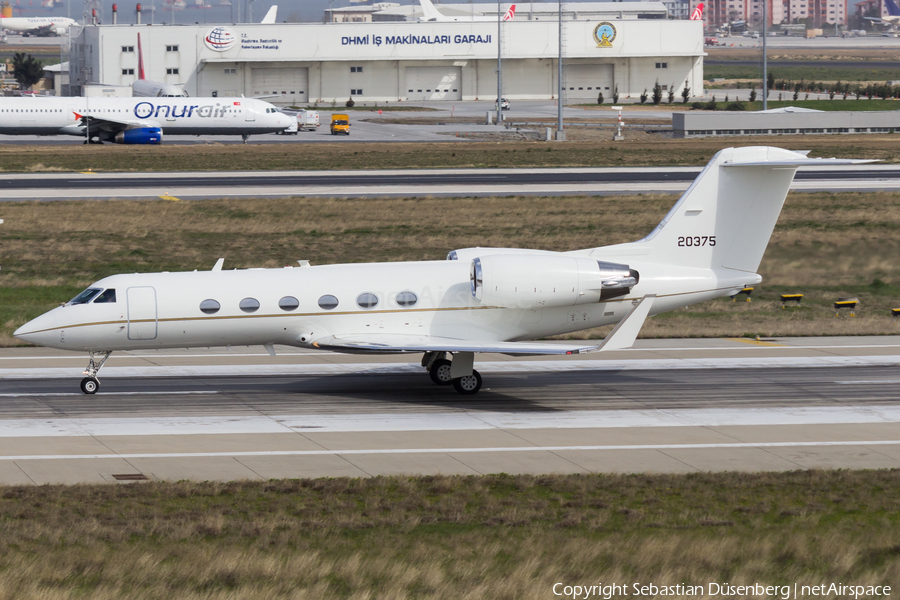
<point>142,318</point>
<point>249,115</point>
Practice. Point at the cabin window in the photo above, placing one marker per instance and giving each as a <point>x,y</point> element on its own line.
<point>107,296</point>
<point>288,303</point>
<point>328,302</point>
<point>407,299</point>
<point>367,300</point>
<point>249,305</point>
<point>210,307</point>
<point>85,296</point>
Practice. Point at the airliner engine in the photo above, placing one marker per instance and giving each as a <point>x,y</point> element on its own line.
<point>539,281</point>
<point>139,135</point>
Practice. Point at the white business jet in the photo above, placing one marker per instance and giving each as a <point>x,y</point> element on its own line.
<point>432,14</point>
<point>38,26</point>
<point>479,300</point>
<point>138,120</point>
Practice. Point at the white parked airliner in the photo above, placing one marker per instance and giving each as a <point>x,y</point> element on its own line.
<point>40,26</point>
<point>479,300</point>
<point>431,13</point>
<point>138,120</point>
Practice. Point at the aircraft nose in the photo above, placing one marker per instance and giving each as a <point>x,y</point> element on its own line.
<point>39,331</point>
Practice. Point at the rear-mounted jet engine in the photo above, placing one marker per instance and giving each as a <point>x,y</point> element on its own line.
<point>538,281</point>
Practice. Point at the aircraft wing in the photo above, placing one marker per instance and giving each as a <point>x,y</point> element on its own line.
<point>622,336</point>
<point>386,343</point>
<point>112,124</point>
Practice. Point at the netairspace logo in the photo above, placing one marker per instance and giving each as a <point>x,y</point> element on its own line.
<point>776,592</point>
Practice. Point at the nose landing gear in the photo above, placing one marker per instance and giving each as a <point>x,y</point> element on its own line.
<point>90,384</point>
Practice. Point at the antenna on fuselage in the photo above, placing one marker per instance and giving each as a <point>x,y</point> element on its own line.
<point>218,265</point>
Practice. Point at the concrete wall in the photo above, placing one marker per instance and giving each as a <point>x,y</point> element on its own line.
<point>706,124</point>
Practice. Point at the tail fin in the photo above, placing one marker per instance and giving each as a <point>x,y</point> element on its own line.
<point>140,59</point>
<point>510,13</point>
<point>429,12</point>
<point>697,15</point>
<point>726,217</point>
<point>270,17</point>
<point>892,8</point>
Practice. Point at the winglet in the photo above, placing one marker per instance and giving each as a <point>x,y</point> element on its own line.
<point>624,334</point>
<point>218,265</point>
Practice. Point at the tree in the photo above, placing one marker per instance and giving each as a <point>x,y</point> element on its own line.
<point>657,92</point>
<point>770,81</point>
<point>600,98</point>
<point>753,95</point>
<point>28,70</point>
<point>616,94</point>
<point>644,96</point>
<point>671,93</point>
<point>685,93</point>
<point>796,91</point>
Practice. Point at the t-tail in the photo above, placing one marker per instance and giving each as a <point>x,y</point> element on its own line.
<point>725,218</point>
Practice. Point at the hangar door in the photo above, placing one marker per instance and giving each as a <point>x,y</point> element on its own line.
<point>584,82</point>
<point>433,83</point>
<point>290,82</point>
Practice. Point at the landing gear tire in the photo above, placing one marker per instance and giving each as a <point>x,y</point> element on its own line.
<point>245,137</point>
<point>468,385</point>
<point>90,385</point>
<point>440,372</point>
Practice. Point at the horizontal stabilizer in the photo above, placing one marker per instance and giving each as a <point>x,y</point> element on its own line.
<point>801,162</point>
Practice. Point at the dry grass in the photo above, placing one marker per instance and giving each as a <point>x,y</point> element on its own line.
<point>825,245</point>
<point>634,151</point>
<point>445,537</point>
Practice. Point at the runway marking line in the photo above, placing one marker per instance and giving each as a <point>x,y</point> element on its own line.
<point>757,342</point>
<point>453,450</point>
<point>39,395</point>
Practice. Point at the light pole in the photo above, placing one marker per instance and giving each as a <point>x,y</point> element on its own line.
<point>499,65</point>
<point>560,132</point>
<point>765,58</point>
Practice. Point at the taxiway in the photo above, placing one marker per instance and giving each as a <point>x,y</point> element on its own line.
<point>665,406</point>
<point>409,182</point>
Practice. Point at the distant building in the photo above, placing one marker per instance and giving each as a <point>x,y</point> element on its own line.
<point>820,13</point>
<point>541,11</point>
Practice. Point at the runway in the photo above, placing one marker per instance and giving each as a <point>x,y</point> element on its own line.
<point>409,182</point>
<point>665,406</point>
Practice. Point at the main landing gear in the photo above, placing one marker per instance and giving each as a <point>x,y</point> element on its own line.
<point>90,384</point>
<point>459,371</point>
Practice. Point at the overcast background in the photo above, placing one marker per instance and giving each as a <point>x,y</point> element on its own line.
<point>288,10</point>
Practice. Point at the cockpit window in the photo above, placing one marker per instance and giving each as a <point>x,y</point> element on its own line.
<point>107,296</point>
<point>85,296</point>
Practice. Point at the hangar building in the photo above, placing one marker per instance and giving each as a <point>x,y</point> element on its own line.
<point>301,63</point>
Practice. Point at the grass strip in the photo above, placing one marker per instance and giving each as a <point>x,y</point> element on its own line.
<point>495,536</point>
<point>414,155</point>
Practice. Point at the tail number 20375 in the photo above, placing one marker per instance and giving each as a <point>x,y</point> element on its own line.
<point>697,240</point>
